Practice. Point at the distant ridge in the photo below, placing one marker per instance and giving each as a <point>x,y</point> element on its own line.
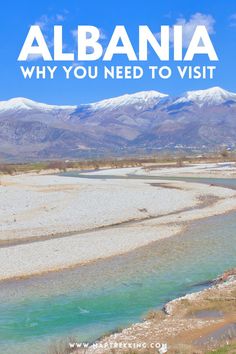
<point>144,121</point>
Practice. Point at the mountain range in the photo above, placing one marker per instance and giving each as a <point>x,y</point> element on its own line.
<point>143,121</point>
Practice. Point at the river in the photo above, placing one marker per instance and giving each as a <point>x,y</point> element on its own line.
<point>88,301</point>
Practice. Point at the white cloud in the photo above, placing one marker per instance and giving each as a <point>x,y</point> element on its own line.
<point>232,20</point>
<point>46,24</point>
<point>33,57</point>
<point>60,17</point>
<point>103,35</point>
<point>74,33</point>
<point>189,26</point>
<point>45,21</point>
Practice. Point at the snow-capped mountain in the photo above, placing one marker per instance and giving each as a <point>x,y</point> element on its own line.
<point>146,120</point>
<point>138,100</point>
<point>21,103</point>
<point>212,96</point>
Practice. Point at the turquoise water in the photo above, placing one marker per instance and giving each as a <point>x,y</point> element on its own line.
<point>90,300</point>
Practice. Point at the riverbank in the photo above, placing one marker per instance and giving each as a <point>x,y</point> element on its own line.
<point>196,323</point>
<point>49,223</point>
<point>203,170</point>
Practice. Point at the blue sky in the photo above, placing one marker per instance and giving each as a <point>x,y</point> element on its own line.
<point>17,16</point>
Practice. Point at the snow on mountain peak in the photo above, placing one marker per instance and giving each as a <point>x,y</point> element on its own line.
<point>21,103</point>
<point>139,99</point>
<point>212,96</point>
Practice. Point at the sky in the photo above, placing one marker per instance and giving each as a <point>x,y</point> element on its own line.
<point>17,16</point>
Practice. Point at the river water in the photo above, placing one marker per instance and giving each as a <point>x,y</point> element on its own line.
<point>90,300</point>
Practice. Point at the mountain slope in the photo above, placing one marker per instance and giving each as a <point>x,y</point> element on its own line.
<point>202,119</point>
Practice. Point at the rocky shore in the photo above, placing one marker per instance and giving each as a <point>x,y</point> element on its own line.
<point>193,324</point>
